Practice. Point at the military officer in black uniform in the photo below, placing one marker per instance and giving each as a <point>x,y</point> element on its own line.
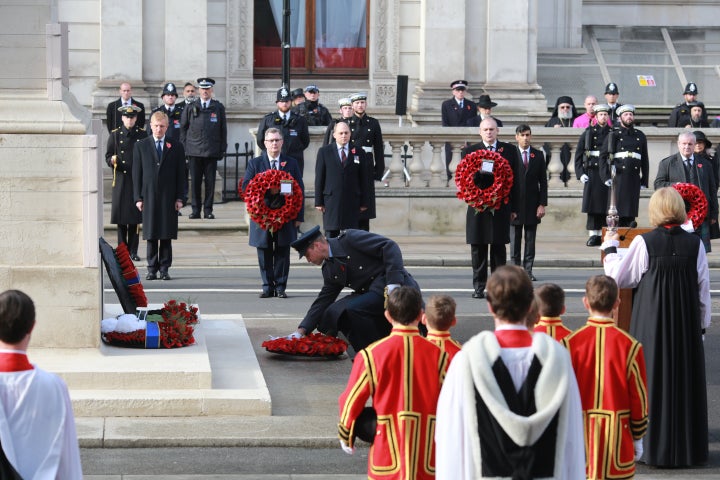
<point>587,164</point>
<point>365,133</point>
<point>294,128</point>
<point>314,112</point>
<point>369,264</point>
<point>119,157</point>
<point>626,148</point>
<point>346,112</point>
<point>681,115</point>
<point>456,112</point>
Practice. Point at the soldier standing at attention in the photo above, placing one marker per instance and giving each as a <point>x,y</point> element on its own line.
<point>119,157</point>
<point>587,164</point>
<point>627,149</point>
<point>366,133</point>
<point>314,112</point>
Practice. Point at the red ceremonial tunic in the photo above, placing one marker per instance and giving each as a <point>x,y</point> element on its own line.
<point>446,343</point>
<point>403,374</point>
<point>610,369</point>
<point>552,326</point>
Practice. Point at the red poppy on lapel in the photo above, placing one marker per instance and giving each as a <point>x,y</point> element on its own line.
<point>468,107</point>
<point>699,165</point>
<point>532,155</point>
<point>167,145</point>
<point>352,151</point>
<point>282,164</point>
<point>500,149</point>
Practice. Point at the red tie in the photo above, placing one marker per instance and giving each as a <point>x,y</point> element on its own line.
<point>525,161</point>
<point>343,157</point>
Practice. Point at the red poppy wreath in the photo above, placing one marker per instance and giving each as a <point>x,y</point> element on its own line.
<point>272,219</point>
<point>495,195</point>
<point>312,345</point>
<point>698,203</point>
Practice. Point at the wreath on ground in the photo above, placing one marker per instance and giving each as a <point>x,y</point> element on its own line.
<point>172,326</point>
<point>694,196</point>
<point>272,217</point>
<point>494,196</point>
<point>312,345</point>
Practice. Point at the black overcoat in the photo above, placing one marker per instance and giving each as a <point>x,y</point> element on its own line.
<point>122,143</point>
<point>532,188</point>
<point>341,190</point>
<point>159,183</point>
<point>365,132</point>
<point>595,192</point>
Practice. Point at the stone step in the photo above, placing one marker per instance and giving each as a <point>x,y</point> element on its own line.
<point>190,381</point>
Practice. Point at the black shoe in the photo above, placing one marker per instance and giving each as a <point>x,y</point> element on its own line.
<point>134,257</point>
<point>194,216</point>
<point>267,294</point>
<point>479,294</point>
<point>151,276</point>
<point>532,277</point>
<point>165,276</point>
<point>594,241</point>
<point>210,216</point>
<point>281,294</point>
<point>179,213</point>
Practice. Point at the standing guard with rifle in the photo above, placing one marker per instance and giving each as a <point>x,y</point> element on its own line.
<point>625,149</point>
<point>587,169</point>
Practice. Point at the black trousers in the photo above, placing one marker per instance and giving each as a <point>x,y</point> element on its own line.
<point>274,263</point>
<point>363,321</point>
<point>595,221</point>
<point>159,255</point>
<point>364,224</point>
<point>128,234</point>
<point>516,233</point>
<point>202,173</point>
<point>479,256</point>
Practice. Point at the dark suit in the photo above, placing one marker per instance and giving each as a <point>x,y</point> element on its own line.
<point>475,122</point>
<point>671,170</point>
<point>273,248</point>
<point>113,118</point>
<point>532,191</point>
<point>454,116</point>
<point>367,263</point>
<point>158,182</point>
<point>488,229</point>
<point>365,133</point>
<point>587,162</point>
<point>341,190</point>
<point>296,136</point>
<point>123,212</point>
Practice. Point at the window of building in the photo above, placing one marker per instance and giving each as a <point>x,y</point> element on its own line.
<point>327,37</point>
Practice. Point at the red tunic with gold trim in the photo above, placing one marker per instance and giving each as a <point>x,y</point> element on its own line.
<point>446,343</point>
<point>403,374</point>
<point>610,369</point>
<point>552,326</point>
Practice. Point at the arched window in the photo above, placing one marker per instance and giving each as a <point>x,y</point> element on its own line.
<point>327,37</point>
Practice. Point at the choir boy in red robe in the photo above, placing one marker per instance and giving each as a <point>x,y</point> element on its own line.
<point>402,373</point>
<point>550,299</point>
<point>439,317</point>
<point>610,368</point>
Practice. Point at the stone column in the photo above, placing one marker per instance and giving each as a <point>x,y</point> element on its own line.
<point>186,43</point>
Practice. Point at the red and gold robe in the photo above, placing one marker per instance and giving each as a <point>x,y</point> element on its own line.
<point>610,369</point>
<point>403,374</point>
<point>552,326</point>
<point>446,343</point>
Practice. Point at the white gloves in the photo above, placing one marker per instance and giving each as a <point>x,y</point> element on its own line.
<point>608,183</point>
<point>584,178</point>
<point>638,449</point>
<point>391,287</point>
<point>351,450</point>
<point>294,335</point>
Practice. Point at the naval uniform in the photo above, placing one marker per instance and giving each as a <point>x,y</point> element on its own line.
<point>587,162</point>
<point>627,149</point>
<point>365,133</point>
<point>123,211</point>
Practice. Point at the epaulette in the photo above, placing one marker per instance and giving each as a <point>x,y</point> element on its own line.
<point>117,129</point>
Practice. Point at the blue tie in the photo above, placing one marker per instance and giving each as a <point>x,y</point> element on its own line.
<point>158,147</point>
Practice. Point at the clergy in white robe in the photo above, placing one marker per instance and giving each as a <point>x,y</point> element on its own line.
<point>510,405</point>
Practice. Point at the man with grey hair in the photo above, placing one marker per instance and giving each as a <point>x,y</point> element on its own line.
<point>686,167</point>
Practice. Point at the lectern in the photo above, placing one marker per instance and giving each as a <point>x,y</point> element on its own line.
<point>624,312</point>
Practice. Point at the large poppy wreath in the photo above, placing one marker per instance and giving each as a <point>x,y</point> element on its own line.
<point>312,345</point>
<point>492,197</point>
<point>698,203</point>
<point>272,219</point>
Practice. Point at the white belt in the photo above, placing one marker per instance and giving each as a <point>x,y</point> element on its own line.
<point>593,153</point>
<point>368,149</point>
<point>628,155</point>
